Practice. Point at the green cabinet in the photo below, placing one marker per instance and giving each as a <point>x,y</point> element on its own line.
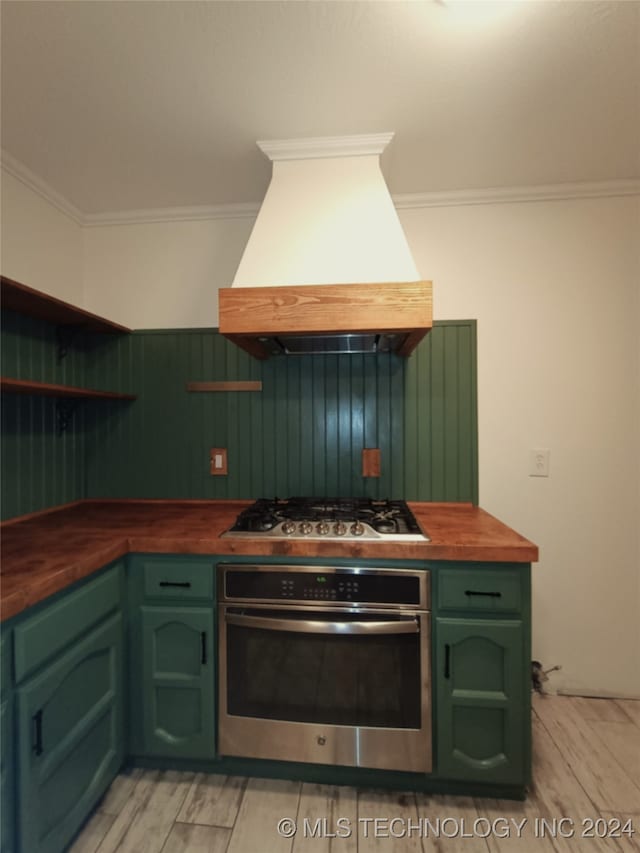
<point>172,656</point>
<point>7,740</point>
<point>7,777</point>
<point>481,666</point>
<point>70,738</point>
<point>61,712</point>
<point>178,681</point>
<point>480,702</point>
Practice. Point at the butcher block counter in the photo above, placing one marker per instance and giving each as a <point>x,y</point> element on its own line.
<point>44,553</point>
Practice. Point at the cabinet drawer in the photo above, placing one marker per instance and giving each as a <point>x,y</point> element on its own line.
<point>44,635</point>
<point>177,579</point>
<point>480,590</point>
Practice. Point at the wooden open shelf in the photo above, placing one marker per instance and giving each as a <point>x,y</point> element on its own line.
<point>50,389</point>
<point>26,300</point>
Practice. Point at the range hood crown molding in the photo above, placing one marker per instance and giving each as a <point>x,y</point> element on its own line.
<point>370,144</point>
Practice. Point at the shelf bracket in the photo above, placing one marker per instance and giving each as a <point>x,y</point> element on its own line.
<point>65,410</point>
<point>65,336</point>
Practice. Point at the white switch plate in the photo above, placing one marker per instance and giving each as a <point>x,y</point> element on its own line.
<point>539,462</point>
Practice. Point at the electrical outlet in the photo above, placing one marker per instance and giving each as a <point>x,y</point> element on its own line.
<point>539,462</point>
<point>218,461</point>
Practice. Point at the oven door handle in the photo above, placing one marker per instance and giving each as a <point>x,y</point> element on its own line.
<point>317,626</point>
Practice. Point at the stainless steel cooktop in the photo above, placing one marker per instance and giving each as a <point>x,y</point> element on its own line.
<point>328,518</point>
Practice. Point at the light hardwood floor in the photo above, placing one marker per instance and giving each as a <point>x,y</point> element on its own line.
<point>586,771</point>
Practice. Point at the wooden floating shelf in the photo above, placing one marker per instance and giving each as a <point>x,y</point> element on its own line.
<point>27,300</point>
<point>49,389</point>
<point>225,386</point>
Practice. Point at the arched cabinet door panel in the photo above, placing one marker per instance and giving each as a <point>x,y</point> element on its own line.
<point>178,681</point>
<point>481,693</point>
<point>71,735</point>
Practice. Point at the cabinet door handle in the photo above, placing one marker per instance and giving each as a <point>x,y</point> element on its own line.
<point>447,660</point>
<point>183,584</point>
<point>203,647</point>
<point>479,592</point>
<point>38,747</point>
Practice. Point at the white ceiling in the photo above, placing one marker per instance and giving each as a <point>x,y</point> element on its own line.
<point>129,105</point>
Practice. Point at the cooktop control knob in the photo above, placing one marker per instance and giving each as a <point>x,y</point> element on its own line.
<point>289,527</point>
<point>323,528</point>
<point>357,528</point>
<point>339,528</point>
<point>306,527</point>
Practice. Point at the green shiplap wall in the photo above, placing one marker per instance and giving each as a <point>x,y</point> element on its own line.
<point>302,435</point>
<point>441,416</point>
<point>39,467</point>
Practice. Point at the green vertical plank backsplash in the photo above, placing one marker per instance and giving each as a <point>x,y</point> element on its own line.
<point>303,433</point>
<point>441,438</point>
<point>40,468</point>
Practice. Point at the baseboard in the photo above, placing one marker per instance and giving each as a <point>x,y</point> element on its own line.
<point>589,693</point>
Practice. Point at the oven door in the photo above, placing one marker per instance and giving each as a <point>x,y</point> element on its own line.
<point>326,686</point>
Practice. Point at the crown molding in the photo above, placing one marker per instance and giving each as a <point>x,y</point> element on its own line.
<point>406,201</point>
<point>39,186</point>
<point>507,195</point>
<point>240,210</point>
<point>249,210</point>
<point>361,144</point>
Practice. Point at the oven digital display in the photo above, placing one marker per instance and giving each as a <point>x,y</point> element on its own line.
<point>366,587</point>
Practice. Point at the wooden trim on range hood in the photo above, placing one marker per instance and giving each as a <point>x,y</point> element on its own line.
<point>247,314</point>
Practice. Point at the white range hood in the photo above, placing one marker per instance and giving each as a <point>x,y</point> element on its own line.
<point>327,266</point>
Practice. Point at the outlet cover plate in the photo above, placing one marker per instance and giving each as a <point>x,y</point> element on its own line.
<point>539,462</point>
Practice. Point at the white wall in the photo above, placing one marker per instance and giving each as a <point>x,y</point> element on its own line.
<point>555,287</point>
<point>162,275</point>
<point>40,245</point>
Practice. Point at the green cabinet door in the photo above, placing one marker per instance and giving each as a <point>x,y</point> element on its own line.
<point>7,741</point>
<point>70,738</point>
<point>178,681</point>
<point>481,694</point>
<point>6,776</point>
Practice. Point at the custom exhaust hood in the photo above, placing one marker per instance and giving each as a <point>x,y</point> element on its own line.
<point>327,267</point>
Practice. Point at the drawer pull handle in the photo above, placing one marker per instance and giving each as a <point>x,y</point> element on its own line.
<point>479,592</point>
<point>447,660</point>
<point>182,584</point>
<point>38,747</point>
<point>203,647</point>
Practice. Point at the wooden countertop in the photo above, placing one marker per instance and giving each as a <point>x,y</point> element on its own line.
<point>46,552</point>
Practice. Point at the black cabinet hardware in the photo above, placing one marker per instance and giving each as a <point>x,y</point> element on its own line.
<point>182,584</point>
<point>447,660</point>
<point>37,733</point>
<point>203,645</point>
<point>479,592</point>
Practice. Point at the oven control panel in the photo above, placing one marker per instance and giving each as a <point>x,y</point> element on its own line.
<point>310,584</point>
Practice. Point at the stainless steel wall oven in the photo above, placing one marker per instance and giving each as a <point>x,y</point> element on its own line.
<point>324,664</point>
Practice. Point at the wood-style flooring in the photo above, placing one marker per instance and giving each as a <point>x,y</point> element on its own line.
<point>586,771</point>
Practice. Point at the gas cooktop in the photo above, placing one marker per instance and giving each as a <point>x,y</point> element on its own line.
<point>328,518</point>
